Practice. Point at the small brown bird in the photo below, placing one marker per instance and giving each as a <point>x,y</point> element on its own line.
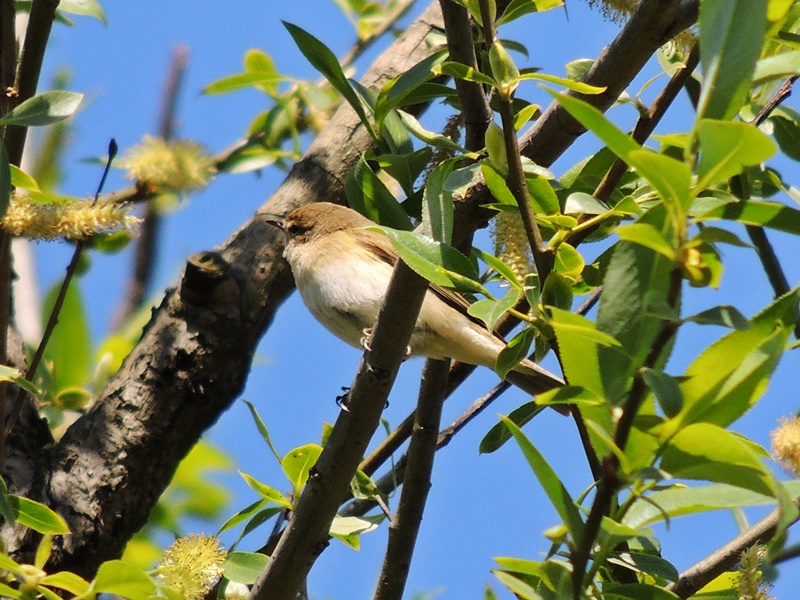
<point>342,271</point>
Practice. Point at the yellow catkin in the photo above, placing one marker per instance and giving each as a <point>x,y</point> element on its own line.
<point>615,10</point>
<point>786,445</point>
<point>511,244</point>
<point>751,584</point>
<point>191,565</point>
<point>179,165</point>
<point>75,220</point>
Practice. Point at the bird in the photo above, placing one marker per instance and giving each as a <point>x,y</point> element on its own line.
<point>342,270</point>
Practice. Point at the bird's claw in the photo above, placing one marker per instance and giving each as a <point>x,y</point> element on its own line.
<point>341,400</point>
<point>366,339</point>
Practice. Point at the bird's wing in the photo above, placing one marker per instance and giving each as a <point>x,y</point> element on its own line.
<point>382,247</point>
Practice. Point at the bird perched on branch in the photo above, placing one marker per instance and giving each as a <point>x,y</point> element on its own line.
<point>342,271</point>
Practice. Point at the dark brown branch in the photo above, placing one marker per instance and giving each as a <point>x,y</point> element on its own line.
<point>193,357</point>
<point>307,533</point>
<point>405,525</point>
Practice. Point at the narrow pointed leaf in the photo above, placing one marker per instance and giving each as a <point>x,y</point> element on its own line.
<point>553,487</point>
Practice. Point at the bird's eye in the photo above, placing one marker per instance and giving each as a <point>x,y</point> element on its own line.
<point>294,229</point>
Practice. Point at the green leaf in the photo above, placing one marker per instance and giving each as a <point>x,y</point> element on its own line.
<point>37,516</point>
<point>123,579</point>
<point>765,214</point>
<point>489,311</point>
<point>727,147</point>
<point>504,71</point>
<point>438,263</point>
<point>679,500</point>
<point>648,236</point>
<point>730,375</point>
<point>347,526</point>
<point>325,61</point>
<point>724,316</point>
<point>367,194</point>
<point>637,591</point>
<point>405,168</point>
<point>670,178</point>
<point>777,66</point>
<point>298,462</point>
<point>569,262</point>
<point>244,567</point>
<point>575,86</point>
<point>728,58</point>
<point>88,8</point>
<point>708,452</point>
<point>262,429</point>
<point>633,305</point>
<point>242,516</point>
<point>74,584</point>
<point>667,390</point>
<point>581,203</point>
<point>499,434</point>
<point>395,91</point>
<point>544,199</point>
<point>553,487</point>
<point>20,179</point>
<point>437,204</point>
<point>498,265</point>
<point>715,235</point>
<point>240,81</point>
<point>6,508</point>
<point>461,71</point>
<point>436,140</point>
<point>515,351</point>
<point>44,109</point>
<point>69,350</point>
<point>557,291</point>
<point>520,8</point>
<point>619,142</point>
<point>642,562</point>
<point>268,492</point>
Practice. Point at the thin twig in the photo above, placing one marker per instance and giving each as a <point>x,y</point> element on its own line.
<point>723,559</point>
<point>144,260</point>
<point>52,319</point>
<point>609,483</point>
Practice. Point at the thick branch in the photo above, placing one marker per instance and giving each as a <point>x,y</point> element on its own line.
<point>107,472</point>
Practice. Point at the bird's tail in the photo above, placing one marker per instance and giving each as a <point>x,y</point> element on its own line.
<point>533,379</point>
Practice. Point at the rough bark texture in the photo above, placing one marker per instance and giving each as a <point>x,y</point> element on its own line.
<point>107,472</point>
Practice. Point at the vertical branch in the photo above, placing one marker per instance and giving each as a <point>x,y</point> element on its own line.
<point>542,258</point>
<point>141,278</point>
<point>8,60</point>
<point>406,523</point>
<point>40,22</point>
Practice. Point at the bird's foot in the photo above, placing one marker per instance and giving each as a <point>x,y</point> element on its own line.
<point>341,400</point>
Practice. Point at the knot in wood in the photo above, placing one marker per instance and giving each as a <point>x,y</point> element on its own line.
<point>208,281</point>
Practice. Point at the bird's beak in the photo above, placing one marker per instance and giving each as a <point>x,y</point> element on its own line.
<point>276,223</point>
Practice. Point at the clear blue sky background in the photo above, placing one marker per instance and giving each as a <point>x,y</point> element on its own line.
<point>480,506</point>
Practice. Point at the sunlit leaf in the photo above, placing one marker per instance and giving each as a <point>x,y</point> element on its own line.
<point>728,58</point>
<point>44,109</point>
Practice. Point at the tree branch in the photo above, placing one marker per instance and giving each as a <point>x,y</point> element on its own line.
<point>405,525</point>
<point>111,466</point>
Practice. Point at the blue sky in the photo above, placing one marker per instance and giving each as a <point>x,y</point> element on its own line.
<point>480,506</point>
